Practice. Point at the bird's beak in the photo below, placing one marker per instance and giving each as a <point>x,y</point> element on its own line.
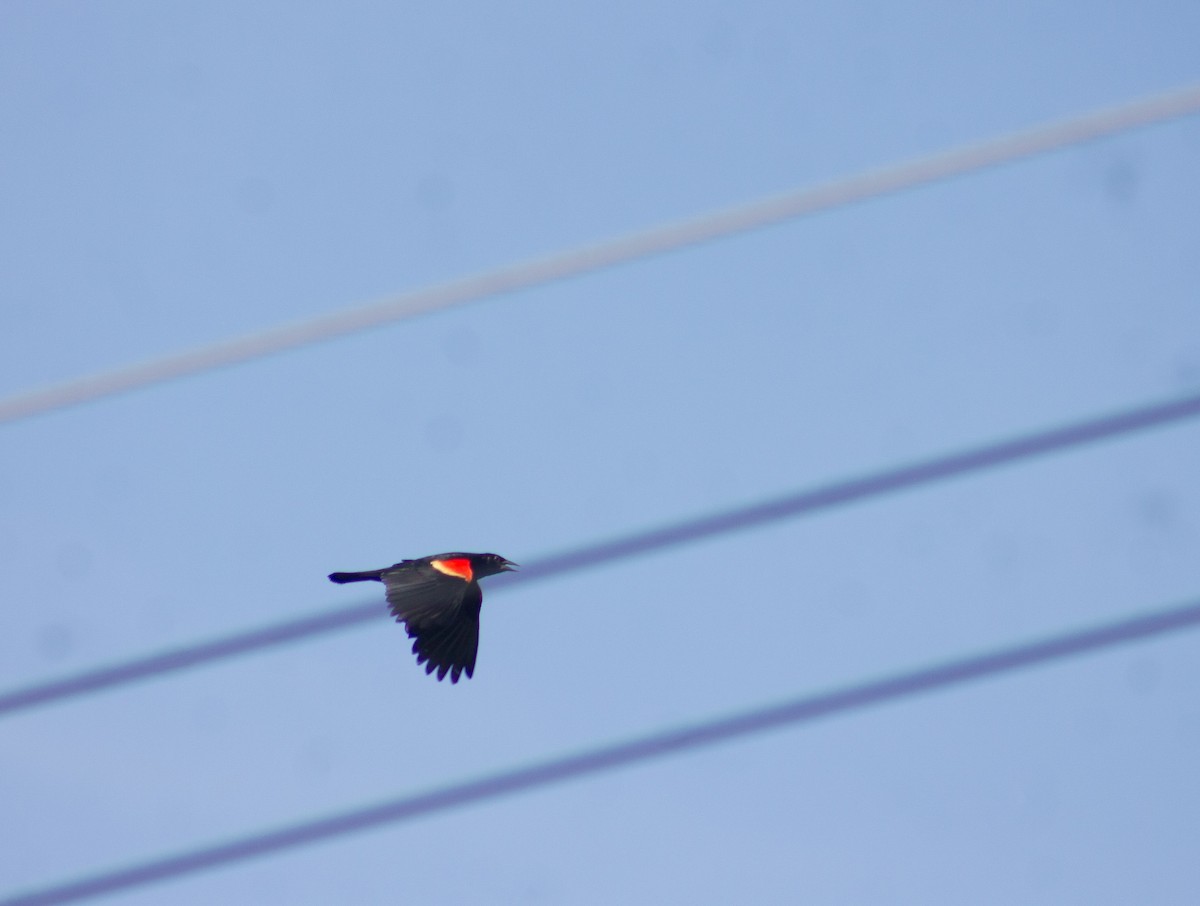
<point>509,566</point>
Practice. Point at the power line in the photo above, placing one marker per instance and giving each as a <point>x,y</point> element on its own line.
<point>814,500</point>
<point>1053,136</point>
<point>181,658</point>
<point>606,758</point>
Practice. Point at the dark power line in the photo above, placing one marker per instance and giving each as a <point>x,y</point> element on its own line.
<point>789,506</point>
<point>658,240</point>
<point>605,758</point>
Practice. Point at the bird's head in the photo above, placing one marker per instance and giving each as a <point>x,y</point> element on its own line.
<point>490,564</point>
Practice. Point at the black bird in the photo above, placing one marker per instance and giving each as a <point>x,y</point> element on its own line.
<point>437,599</point>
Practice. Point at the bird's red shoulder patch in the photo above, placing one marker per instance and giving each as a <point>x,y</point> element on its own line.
<point>459,568</point>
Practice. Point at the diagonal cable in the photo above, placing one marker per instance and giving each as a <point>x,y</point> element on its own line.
<point>802,710</point>
<point>805,502</point>
<point>658,240</point>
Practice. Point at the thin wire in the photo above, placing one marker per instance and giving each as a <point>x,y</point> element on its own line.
<point>607,758</point>
<point>575,262</point>
<point>802,503</point>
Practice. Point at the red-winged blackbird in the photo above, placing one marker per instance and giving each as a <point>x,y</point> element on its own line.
<point>438,600</point>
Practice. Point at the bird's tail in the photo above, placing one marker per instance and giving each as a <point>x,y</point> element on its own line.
<point>343,578</point>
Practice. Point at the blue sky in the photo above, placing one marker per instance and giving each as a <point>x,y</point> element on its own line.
<point>180,174</point>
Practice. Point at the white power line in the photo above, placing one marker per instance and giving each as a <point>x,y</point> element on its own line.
<point>575,262</point>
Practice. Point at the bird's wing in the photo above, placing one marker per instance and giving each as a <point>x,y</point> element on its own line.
<point>441,614</point>
<point>423,597</point>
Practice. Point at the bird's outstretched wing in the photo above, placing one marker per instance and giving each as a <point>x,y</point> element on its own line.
<point>441,614</point>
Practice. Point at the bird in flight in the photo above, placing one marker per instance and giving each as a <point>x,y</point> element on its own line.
<point>437,599</point>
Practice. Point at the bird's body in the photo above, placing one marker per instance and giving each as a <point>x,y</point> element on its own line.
<point>438,600</point>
